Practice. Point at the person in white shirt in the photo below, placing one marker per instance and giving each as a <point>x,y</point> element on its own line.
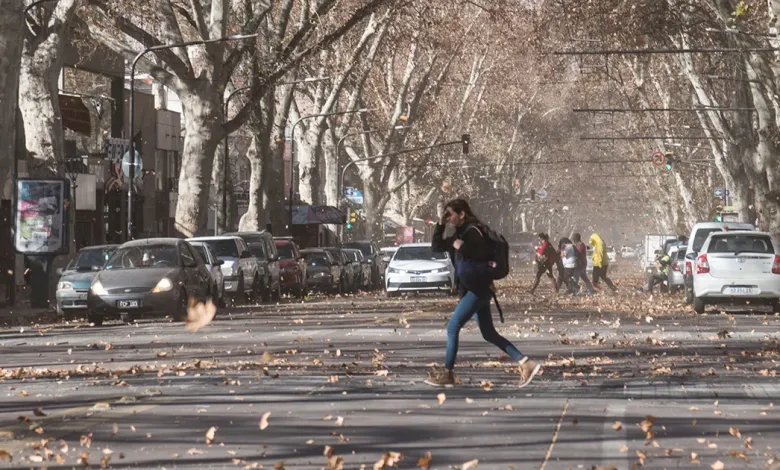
<point>569,260</point>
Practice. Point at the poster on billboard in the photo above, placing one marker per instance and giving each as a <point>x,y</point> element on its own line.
<point>40,219</point>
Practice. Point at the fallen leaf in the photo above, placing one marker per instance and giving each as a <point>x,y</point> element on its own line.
<point>389,459</point>
<point>469,464</point>
<point>194,451</point>
<point>738,454</point>
<point>718,465</point>
<point>35,458</point>
<point>162,354</point>
<point>381,373</point>
<point>210,435</point>
<point>469,401</point>
<point>4,455</point>
<point>735,432</point>
<point>115,428</point>
<point>83,459</point>
<point>442,398</point>
<point>264,420</point>
<point>86,441</point>
<point>39,412</point>
<point>425,461</point>
<point>199,314</point>
<point>624,448</point>
<point>617,426</point>
<point>339,421</point>
<point>104,461</point>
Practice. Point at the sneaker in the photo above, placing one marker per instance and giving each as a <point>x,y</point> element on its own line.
<point>441,378</point>
<point>528,370</point>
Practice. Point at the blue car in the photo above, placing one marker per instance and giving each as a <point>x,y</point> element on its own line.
<point>76,278</point>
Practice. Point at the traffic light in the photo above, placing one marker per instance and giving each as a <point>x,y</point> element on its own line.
<point>351,220</point>
<point>465,139</point>
<point>669,162</point>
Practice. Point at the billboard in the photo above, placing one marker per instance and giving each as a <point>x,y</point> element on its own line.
<point>40,219</point>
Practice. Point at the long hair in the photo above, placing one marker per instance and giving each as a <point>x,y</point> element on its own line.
<point>460,205</point>
<point>563,241</point>
<point>543,236</point>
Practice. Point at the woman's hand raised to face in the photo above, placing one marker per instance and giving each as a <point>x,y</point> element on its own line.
<point>457,244</point>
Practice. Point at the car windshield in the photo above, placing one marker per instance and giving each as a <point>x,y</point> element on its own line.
<point>223,248</point>
<point>285,251</point>
<point>257,250</point>
<point>741,244</point>
<point>316,259</point>
<point>202,252</point>
<point>143,256</point>
<point>701,236</point>
<point>353,255</point>
<point>364,248</point>
<point>91,260</point>
<point>411,253</point>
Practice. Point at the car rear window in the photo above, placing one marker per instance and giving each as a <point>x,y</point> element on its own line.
<point>365,248</point>
<point>316,259</point>
<point>701,235</point>
<point>741,244</point>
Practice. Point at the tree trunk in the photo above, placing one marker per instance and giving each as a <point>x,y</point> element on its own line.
<point>217,178</point>
<point>373,213</point>
<point>254,219</point>
<point>332,170</point>
<point>11,38</point>
<point>202,123</point>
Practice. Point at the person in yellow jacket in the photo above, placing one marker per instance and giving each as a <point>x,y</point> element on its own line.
<point>600,261</point>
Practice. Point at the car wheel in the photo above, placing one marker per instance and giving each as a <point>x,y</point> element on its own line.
<point>688,296</point>
<point>775,307</point>
<point>277,295</point>
<point>97,320</point>
<point>698,305</point>
<point>264,290</point>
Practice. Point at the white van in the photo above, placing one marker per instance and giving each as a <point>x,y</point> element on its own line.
<point>699,234</point>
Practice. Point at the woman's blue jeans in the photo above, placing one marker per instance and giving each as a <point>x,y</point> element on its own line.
<point>468,306</point>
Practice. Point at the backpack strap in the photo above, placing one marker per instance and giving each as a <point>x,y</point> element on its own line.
<point>470,226</point>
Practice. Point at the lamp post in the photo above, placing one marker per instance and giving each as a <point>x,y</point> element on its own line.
<point>132,109</point>
<point>292,148</point>
<point>225,157</point>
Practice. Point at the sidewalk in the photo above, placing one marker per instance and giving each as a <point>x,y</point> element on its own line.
<point>22,314</point>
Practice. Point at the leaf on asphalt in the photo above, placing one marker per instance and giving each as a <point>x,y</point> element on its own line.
<point>264,420</point>
<point>390,459</point>
<point>738,454</point>
<point>646,425</point>
<point>35,458</point>
<point>441,398</point>
<point>617,426</point>
<point>425,461</point>
<point>641,455</point>
<point>339,421</point>
<point>39,412</point>
<point>382,373</point>
<point>162,354</point>
<point>83,459</point>
<point>199,314</point>
<point>469,401</point>
<point>279,466</point>
<point>469,464</point>
<point>749,443</point>
<point>86,441</point>
<point>210,434</point>
<point>63,447</point>
<point>194,451</point>
<point>624,449</point>
<point>695,458</point>
<point>718,465</point>
<point>4,455</point>
<point>115,428</point>
<point>104,461</point>
<point>267,357</point>
<point>335,462</point>
<point>735,432</point>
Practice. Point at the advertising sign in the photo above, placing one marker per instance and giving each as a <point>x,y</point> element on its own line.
<point>40,220</point>
<point>353,195</point>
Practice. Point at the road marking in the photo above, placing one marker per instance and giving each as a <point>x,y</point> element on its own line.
<point>555,435</point>
<point>57,426</point>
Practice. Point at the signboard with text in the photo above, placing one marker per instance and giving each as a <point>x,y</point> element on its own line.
<point>40,219</point>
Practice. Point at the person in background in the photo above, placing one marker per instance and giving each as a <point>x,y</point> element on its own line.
<point>600,261</point>
<point>546,257</point>
<point>568,265</point>
<point>581,266</point>
<point>662,263</point>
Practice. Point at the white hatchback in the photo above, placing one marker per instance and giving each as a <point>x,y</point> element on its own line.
<point>416,267</point>
<point>737,267</point>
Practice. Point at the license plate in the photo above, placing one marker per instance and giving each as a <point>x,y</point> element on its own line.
<point>127,303</point>
<point>740,290</point>
<point>417,279</point>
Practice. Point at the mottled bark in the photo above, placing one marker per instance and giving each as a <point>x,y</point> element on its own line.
<point>11,36</point>
<point>254,218</point>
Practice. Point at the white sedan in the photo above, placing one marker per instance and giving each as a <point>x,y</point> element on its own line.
<point>415,267</point>
<point>737,267</point>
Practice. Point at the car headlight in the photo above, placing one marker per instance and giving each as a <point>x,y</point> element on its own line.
<point>64,285</point>
<point>321,275</point>
<point>227,270</point>
<point>164,285</point>
<point>440,270</point>
<point>97,288</point>
<point>396,271</point>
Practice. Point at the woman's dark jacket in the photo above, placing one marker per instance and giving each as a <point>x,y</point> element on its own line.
<point>472,270</point>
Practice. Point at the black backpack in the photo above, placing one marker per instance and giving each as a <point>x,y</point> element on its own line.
<point>500,249</point>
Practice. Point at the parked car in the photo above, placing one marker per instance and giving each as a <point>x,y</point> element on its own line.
<point>239,269</point>
<point>627,252</point>
<point>262,246</point>
<point>293,266</point>
<point>323,272</point>
<point>675,280</point>
<point>387,253</point>
<point>77,276</point>
<point>416,267</point>
<point>737,267</point>
<point>699,234</point>
<point>371,253</point>
<point>361,267</point>
<point>155,276</point>
<point>613,259</point>
<point>347,273</point>
<point>214,265</point>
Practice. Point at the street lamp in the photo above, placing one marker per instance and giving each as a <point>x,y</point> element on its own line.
<point>225,157</point>
<point>292,148</point>
<point>132,109</point>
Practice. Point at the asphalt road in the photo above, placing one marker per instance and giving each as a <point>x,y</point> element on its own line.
<point>627,381</point>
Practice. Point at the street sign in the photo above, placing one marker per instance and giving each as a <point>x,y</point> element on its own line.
<point>541,193</point>
<point>721,192</point>
<point>353,195</point>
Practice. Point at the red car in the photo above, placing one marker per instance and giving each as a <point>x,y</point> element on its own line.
<point>292,267</point>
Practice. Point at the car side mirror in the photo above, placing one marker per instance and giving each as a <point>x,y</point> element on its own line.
<point>59,271</point>
<point>245,254</point>
<point>219,262</point>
